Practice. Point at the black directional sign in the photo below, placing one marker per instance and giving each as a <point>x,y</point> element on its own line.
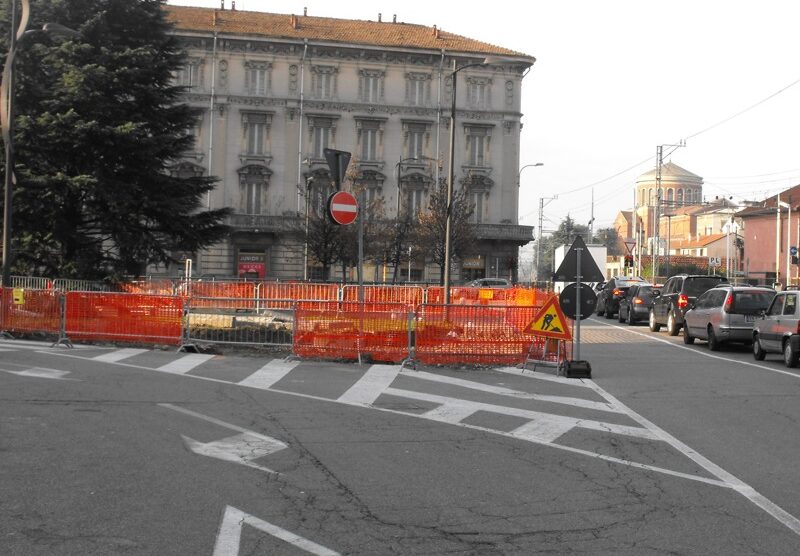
<point>337,162</point>
<point>568,269</point>
<point>567,299</point>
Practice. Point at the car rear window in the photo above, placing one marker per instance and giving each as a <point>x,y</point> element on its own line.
<point>644,290</point>
<point>751,303</point>
<point>695,286</point>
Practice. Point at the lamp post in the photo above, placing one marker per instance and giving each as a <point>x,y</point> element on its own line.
<point>7,119</point>
<point>542,204</point>
<point>309,181</point>
<point>535,164</point>
<point>451,166</point>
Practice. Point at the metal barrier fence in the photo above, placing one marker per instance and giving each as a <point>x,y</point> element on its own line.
<point>123,317</point>
<point>378,329</point>
<point>410,296</point>
<point>225,321</point>
<point>67,285</point>
<point>31,282</point>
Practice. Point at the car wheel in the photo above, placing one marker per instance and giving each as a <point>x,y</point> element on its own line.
<point>654,326</point>
<point>599,310</point>
<point>630,318</point>
<point>758,351</point>
<point>620,318</point>
<point>790,356</point>
<point>672,326</point>
<point>609,313</point>
<point>687,338</point>
<point>713,341</point>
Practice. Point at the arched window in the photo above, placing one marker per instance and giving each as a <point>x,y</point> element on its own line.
<point>253,181</point>
<point>680,197</point>
<point>670,193</point>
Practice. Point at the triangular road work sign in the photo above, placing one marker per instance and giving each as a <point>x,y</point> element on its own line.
<point>550,322</point>
<point>568,269</point>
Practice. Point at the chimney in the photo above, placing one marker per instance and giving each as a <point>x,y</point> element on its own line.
<point>294,22</point>
<point>222,4</point>
<point>233,5</point>
<point>305,10</point>
<point>394,18</point>
<point>379,17</point>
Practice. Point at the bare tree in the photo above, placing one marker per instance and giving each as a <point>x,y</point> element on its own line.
<point>431,226</point>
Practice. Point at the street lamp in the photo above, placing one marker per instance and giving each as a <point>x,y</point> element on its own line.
<point>7,119</point>
<point>309,181</point>
<point>527,166</point>
<point>451,165</point>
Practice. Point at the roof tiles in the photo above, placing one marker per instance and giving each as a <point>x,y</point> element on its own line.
<point>325,29</point>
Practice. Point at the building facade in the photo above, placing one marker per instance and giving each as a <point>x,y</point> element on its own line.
<point>276,90</point>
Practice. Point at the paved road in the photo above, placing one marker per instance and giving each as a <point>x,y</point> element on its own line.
<point>669,449</point>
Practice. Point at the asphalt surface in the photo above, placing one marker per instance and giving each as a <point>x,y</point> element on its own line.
<point>669,449</point>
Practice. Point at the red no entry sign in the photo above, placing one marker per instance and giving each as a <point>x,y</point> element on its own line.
<point>343,207</point>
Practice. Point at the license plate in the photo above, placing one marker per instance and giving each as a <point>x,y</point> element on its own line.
<point>749,318</point>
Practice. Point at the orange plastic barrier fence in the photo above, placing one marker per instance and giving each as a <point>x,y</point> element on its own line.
<point>460,295</point>
<point>271,292</point>
<point>449,335</point>
<point>230,295</point>
<point>124,317</point>
<point>342,330</point>
<point>159,287</point>
<point>30,311</point>
<point>410,296</point>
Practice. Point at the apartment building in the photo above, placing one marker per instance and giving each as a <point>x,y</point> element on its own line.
<point>276,89</point>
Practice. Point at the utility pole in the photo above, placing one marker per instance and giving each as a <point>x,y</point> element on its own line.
<point>656,209</point>
<point>541,223</point>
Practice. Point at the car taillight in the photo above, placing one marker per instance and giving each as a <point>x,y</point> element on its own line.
<point>728,304</point>
<point>638,301</point>
<point>617,292</point>
<point>683,301</point>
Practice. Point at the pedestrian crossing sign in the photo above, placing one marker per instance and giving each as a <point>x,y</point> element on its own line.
<point>550,322</point>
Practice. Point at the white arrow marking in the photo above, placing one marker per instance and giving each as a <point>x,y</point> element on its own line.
<point>230,534</point>
<point>240,448</point>
<point>39,372</point>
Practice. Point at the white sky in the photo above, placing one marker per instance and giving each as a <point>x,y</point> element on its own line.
<point>615,78</point>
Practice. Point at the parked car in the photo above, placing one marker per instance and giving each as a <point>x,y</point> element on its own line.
<point>635,306</point>
<point>677,295</point>
<point>724,314</point>
<point>778,329</point>
<point>490,283</point>
<point>613,291</point>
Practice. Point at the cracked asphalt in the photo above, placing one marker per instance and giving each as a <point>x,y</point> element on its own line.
<point>97,464</point>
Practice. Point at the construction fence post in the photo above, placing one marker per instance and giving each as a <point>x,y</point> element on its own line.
<point>63,339</point>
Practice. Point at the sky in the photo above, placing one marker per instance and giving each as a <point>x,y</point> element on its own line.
<point>615,79</point>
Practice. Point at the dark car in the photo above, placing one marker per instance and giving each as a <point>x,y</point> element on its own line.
<point>635,306</point>
<point>613,291</point>
<point>490,283</point>
<point>725,314</point>
<point>778,330</point>
<point>677,295</point>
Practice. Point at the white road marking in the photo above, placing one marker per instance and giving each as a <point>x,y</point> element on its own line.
<point>465,406</point>
<point>230,534</point>
<point>40,372</point>
<point>542,430</point>
<point>184,364</point>
<point>241,448</point>
<point>576,402</point>
<point>119,355</point>
<point>542,376</point>
<point>269,374</point>
<point>733,482</point>
<point>374,382</point>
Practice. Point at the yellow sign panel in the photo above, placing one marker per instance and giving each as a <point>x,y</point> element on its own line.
<point>486,293</point>
<point>550,322</point>
<point>18,296</point>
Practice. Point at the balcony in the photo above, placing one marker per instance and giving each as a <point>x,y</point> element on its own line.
<point>263,223</point>
<point>504,232</point>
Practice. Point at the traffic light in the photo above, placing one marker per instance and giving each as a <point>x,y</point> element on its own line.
<point>628,261</point>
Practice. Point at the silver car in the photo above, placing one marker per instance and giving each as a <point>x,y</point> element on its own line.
<point>724,314</point>
<point>778,330</point>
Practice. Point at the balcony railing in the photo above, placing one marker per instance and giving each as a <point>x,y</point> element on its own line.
<point>508,232</point>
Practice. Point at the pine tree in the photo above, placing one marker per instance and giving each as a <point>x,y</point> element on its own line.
<point>100,128</point>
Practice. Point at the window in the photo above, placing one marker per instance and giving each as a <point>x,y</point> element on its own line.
<point>190,75</point>
<point>415,140</point>
<point>478,92</point>
<point>253,180</point>
<point>790,305</point>
<point>371,85</point>
<point>476,200</point>
<point>477,146</point>
<point>777,305</point>
<point>680,196</point>
<point>418,89</point>
<point>257,78</point>
<point>369,137</point>
<point>255,127</point>
<point>415,200</point>
<point>321,136</point>
<point>323,82</point>
<point>670,193</point>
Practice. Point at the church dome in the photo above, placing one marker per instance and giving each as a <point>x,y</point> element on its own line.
<point>679,187</point>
